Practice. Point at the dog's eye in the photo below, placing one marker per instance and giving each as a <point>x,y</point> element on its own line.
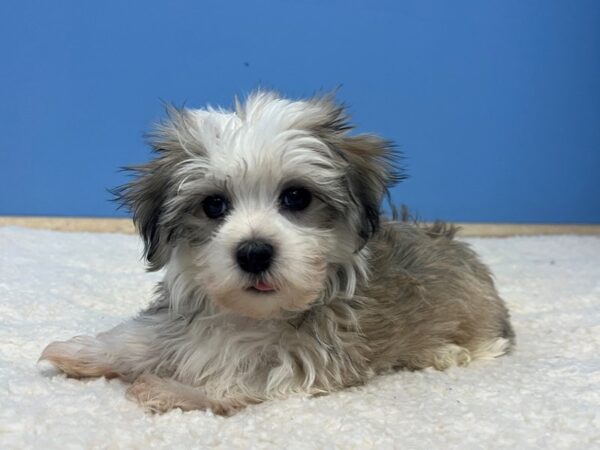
<point>295,198</point>
<point>215,206</point>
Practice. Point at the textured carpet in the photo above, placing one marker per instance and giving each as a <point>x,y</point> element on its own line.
<point>546,395</point>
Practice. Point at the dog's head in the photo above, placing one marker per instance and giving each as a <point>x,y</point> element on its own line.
<point>270,204</point>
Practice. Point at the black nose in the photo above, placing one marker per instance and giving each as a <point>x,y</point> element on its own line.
<point>254,256</point>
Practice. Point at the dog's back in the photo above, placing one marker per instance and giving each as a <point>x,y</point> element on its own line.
<point>430,301</point>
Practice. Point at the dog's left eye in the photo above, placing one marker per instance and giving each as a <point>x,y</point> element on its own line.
<point>215,206</point>
<point>295,198</point>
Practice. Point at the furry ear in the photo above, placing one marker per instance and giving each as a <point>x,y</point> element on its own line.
<point>173,140</point>
<point>372,163</point>
<point>372,171</point>
<point>145,196</point>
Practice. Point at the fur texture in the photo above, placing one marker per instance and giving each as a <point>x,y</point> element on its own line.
<point>347,295</point>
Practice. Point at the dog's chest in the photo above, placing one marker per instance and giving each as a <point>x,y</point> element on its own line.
<point>226,351</point>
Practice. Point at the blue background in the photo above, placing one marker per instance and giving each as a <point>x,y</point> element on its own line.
<point>496,104</point>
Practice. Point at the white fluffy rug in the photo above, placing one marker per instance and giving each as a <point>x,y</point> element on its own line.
<point>546,395</point>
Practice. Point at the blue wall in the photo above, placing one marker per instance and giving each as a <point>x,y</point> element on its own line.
<point>496,104</point>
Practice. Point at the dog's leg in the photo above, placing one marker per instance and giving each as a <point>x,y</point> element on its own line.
<point>124,351</point>
<point>80,357</point>
<point>163,394</point>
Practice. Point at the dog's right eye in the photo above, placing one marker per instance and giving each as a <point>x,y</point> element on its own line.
<point>215,206</point>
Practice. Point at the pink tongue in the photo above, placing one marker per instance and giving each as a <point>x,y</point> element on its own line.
<point>263,286</point>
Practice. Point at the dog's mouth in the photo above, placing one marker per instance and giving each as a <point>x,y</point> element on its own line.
<point>262,287</point>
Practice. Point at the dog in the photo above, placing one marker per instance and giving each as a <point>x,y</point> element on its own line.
<point>281,276</point>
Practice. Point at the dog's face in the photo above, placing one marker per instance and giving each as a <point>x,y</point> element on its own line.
<point>270,203</point>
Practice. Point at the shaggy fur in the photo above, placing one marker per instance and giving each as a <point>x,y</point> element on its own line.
<point>348,297</point>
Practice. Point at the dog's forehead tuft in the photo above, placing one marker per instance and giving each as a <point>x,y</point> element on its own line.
<point>264,117</point>
<point>266,141</point>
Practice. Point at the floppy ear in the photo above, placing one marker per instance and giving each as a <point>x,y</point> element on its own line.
<point>371,163</point>
<point>172,140</point>
<point>371,171</point>
<point>145,196</point>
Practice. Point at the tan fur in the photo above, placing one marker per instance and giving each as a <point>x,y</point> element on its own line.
<point>77,359</point>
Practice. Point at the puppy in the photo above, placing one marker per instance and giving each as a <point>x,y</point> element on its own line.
<point>280,276</point>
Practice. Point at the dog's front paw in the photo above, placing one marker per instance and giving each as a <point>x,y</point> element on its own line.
<point>160,395</point>
<point>79,357</point>
<point>151,392</point>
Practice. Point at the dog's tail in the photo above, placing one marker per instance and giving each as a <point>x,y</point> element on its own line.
<point>436,229</point>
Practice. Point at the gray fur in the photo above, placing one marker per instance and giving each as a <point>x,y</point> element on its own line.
<point>357,295</point>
